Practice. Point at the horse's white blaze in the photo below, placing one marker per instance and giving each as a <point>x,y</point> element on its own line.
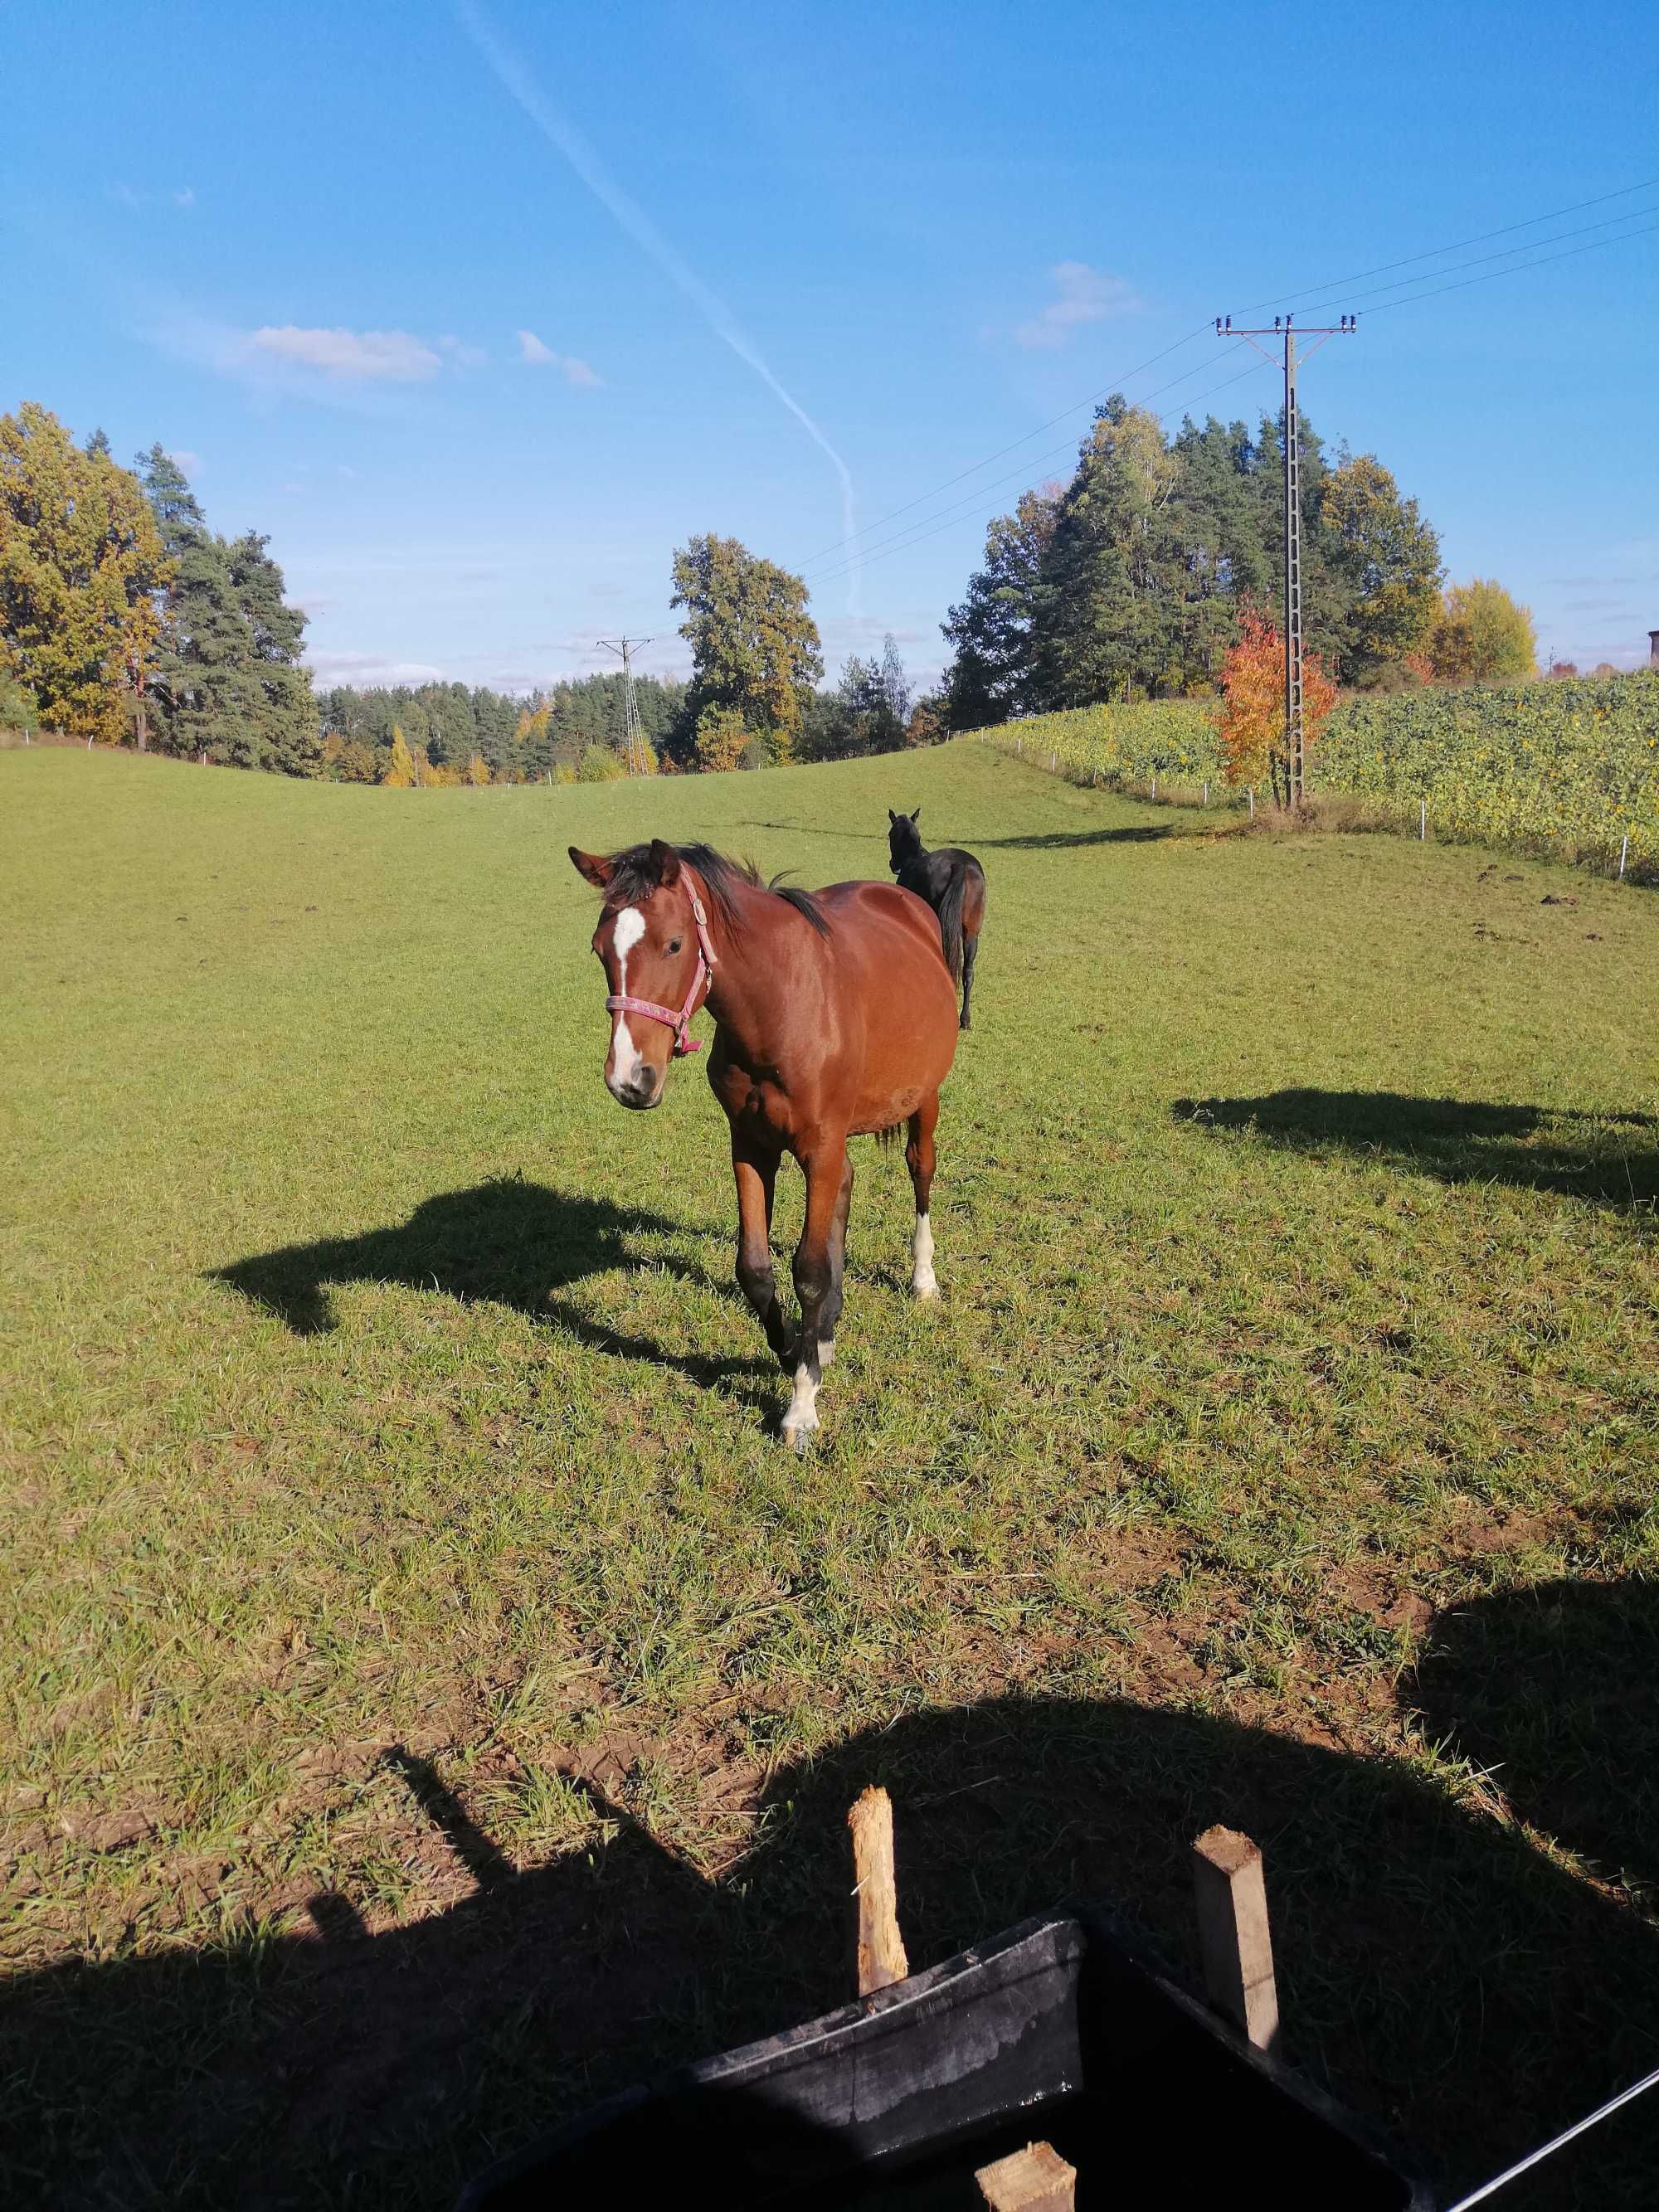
<point>624,1053</point>
<point>923,1281</point>
<point>803,1414</point>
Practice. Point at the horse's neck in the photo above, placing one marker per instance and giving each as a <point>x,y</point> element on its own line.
<point>743,998</point>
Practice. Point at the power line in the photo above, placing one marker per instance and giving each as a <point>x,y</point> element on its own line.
<point>1541,261</point>
<point>882,521</point>
<point>1505,230</point>
<point>1432,253</point>
<point>1025,466</point>
<point>963,506</point>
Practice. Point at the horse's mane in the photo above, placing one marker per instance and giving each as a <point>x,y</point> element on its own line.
<point>634,877</point>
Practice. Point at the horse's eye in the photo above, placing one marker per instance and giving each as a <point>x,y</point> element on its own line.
<point>675,946</point>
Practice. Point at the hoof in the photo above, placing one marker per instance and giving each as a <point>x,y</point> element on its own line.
<point>926,1290</point>
<point>964,1023</point>
<point>800,1438</point>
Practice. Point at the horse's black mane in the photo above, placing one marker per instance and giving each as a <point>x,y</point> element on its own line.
<point>635,876</point>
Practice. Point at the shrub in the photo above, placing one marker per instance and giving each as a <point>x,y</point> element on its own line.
<point>600,765</point>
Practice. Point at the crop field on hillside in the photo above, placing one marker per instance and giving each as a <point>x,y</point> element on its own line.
<point>429,1693</point>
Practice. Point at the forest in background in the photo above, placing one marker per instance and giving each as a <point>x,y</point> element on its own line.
<point>125,618</point>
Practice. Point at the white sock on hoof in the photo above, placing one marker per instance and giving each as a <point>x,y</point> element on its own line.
<point>802,1417</point>
<point>923,1281</point>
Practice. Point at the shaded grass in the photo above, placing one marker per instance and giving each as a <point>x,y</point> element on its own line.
<point>375,1384</point>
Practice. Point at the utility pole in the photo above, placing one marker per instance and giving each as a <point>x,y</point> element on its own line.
<point>1286,335</point>
<point>633,736</point>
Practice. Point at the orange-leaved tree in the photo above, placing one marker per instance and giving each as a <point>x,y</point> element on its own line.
<point>1251,722</point>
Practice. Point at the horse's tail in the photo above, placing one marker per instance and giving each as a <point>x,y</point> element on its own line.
<point>950,920</point>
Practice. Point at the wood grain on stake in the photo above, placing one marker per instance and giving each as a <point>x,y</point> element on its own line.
<point>1035,2180</point>
<point>881,1949</point>
<point>1232,1926</point>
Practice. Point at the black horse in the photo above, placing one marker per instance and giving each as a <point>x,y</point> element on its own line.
<point>953,884</point>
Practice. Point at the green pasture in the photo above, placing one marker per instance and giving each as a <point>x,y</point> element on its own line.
<point>429,1692</point>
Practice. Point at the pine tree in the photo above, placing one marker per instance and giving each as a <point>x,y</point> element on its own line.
<point>283,732</point>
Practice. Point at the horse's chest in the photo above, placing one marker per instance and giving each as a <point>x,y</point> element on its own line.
<point>754,1098</point>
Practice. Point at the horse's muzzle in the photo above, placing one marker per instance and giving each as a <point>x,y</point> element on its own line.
<point>642,1090</point>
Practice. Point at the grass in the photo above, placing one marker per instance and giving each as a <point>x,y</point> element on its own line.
<point>429,1688</point>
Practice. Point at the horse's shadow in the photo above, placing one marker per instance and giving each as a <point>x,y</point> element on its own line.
<point>1608,1159</point>
<point>506,1242</point>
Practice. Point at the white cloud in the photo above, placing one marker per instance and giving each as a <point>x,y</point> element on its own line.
<point>192,464</point>
<point>575,370</point>
<point>463,355</point>
<point>351,357</point>
<point>185,198</point>
<point>371,668</point>
<point>1084,295</point>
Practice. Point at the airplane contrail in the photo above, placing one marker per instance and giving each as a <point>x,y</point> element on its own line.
<point>631,217</point>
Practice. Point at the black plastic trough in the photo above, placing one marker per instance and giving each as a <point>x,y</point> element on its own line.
<point>1061,2029</point>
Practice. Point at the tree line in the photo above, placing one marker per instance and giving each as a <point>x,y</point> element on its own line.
<point>124,618</point>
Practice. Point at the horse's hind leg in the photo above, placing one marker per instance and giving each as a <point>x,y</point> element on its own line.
<point>919,1158</point>
<point>756,1174</point>
<point>818,1284</point>
<point>969,954</point>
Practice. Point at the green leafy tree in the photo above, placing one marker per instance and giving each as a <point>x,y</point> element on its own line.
<point>754,648</point>
<point>1391,557</point>
<point>992,675</point>
<point>81,566</point>
<point>1482,636</point>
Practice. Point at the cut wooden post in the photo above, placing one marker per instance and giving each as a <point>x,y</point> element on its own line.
<point>1232,1926</point>
<point>1035,2180</point>
<point>881,1948</point>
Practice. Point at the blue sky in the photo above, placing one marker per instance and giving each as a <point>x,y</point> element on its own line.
<point>479,310</point>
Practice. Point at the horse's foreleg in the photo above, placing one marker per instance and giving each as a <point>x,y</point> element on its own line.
<point>817,1282</point>
<point>757,1175</point>
<point>919,1158</point>
<point>831,1312</point>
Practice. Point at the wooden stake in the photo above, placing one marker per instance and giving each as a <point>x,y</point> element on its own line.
<point>1232,1926</point>
<point>1035,2180</point>
<point>881,1948</point>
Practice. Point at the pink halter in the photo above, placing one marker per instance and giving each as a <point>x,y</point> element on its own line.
<point>679,1023</point>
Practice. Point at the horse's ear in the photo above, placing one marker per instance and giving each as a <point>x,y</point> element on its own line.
<point>594,867</point>
<point>891,816</point>
<point>916,815</point>
<point>665,862</point>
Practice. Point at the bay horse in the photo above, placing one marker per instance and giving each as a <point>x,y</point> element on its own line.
<point>953,884</point>
<point>834,1017</point>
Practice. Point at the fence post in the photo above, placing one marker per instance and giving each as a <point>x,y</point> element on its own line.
<point>1206,794</point>
<point>1422,820</point>
<point>1624,854</point>
<point>1155,790</point>
<point>1250,795</point>
<point>1019,743</point>
<point>1053,762</point>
